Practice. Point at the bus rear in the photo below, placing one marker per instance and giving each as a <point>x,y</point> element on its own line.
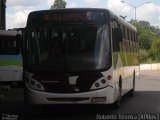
<point>67,57</point>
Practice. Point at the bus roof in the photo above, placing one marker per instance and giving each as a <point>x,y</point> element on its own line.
<point>122,21</point>
<point>119,19</point>
<point>63,16</point>
<point>70,9</point>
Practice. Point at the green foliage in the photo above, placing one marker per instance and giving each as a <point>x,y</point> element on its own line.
<point>143,55</point>
<point>149,41</point>
<point>155,50</point>
<point>145,34</point>
<point>59,4</point>
<point>10,63</point>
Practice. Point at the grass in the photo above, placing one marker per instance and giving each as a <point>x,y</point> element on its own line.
<point>14,63</point>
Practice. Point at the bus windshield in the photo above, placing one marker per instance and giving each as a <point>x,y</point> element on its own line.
<point>68,48</point>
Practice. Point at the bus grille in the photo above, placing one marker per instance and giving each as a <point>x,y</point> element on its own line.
<point>63,88</point>
<point>60,84</point>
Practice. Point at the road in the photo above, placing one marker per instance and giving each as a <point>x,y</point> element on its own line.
<point>145,101</point>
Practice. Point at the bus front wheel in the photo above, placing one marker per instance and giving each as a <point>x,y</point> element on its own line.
<point>117,103</point>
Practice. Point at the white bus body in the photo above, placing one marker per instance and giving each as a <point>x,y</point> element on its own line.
<point>100,71</point>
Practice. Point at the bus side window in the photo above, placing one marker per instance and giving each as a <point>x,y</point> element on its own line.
<point>134,40</point>
<point>124,33</point>
<point>114,41</point>
<point>18,44</point>
<point>117,37</point>
<point>131,42</point>
<point>9,46</point>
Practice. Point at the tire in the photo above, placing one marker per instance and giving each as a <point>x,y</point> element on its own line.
<point>132,91</point>
<point>117,104</point>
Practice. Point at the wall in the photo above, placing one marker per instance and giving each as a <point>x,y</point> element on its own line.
<point>150,66</point>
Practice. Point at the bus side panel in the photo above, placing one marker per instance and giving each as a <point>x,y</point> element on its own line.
<point>6,76</point>
<point>11,68</point>
<point>124,64</point>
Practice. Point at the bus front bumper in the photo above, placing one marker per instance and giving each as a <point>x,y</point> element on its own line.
<point>102,96</point>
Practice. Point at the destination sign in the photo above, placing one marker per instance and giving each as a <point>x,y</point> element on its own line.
<point>65,17</point>
<point>52,17</point>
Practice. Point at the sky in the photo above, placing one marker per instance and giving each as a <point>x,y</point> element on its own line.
<point>18,10</point>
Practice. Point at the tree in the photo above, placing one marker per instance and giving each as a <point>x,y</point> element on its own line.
<point>155,50</point>
<point>143,55</point>
<point>59,4</point>
<point>145,23</point>
<point>149,40</point>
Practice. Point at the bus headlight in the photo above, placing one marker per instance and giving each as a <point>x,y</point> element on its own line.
<point>100,83</point>
<point>34,84</point>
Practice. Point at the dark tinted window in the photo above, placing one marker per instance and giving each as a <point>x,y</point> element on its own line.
<point>68,48</point>
<point>9,45</point>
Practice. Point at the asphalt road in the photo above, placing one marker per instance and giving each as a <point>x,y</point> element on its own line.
<point>145,104</point>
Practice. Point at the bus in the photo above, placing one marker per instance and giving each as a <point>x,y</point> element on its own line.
<point>79,56</point>
<point>10,57</point>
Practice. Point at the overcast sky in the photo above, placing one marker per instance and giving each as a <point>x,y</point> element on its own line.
<point>17,10</point>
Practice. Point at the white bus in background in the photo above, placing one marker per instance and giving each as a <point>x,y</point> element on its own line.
<point>10,57</point>
<point>79,56</point>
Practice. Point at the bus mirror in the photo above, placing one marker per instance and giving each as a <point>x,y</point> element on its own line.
<point>119,34</point>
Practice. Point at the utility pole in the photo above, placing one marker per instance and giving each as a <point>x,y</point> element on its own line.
<point>135,8</point>
<point>2,27</point>
<point>2,14</point>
